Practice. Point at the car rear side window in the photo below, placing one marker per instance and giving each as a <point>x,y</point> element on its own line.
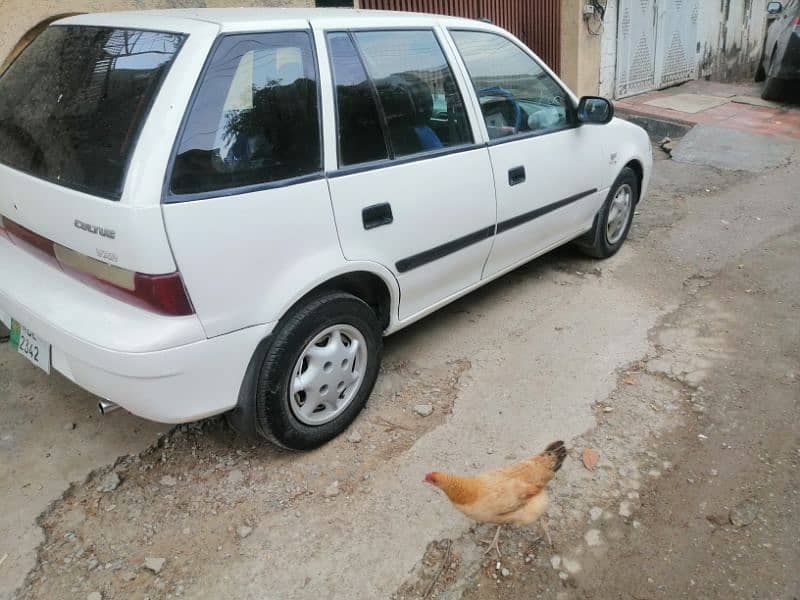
<point>396,95</point>
<point>421,102</point>
<point>254,119</point>
<point>73,103</point>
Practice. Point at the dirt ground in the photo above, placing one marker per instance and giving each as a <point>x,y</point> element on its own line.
<point>678,361</point>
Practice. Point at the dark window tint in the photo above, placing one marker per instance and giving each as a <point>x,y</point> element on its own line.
<point>254,119</point>
<point>72,104</point>
<point>421,102</point>
<point>516,94</point>
<point>360,134</point>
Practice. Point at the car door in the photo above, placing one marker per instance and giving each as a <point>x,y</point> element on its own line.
<point>411,188</point>
<point>547,169</point>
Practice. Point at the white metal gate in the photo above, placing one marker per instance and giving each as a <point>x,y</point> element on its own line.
<point>656,42</point>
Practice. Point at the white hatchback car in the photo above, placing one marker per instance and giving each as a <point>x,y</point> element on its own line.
<point>208,211</point>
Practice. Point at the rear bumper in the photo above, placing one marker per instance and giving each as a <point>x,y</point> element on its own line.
<point>160,368</point>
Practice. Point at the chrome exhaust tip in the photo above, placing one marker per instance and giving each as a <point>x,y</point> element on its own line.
<point>106,406</point>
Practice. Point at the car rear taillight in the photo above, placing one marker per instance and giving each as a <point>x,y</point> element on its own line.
<point>797,24</point>
<point>164,294</point>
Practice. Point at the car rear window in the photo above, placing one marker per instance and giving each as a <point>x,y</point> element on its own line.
<point>73,103</point>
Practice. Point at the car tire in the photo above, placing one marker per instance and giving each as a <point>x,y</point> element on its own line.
<point>333,327</point>
<point>611,227</point>
<point>773,89</point>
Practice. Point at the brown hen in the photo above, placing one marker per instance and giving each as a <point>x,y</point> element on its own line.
<point>514,494</point>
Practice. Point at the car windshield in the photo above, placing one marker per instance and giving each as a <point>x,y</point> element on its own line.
<point>72,104</point>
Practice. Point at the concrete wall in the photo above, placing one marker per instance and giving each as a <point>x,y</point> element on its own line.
<point>731,36</point>
<point>608,52</point>
<point>19,18</point>
<point>580,50</point>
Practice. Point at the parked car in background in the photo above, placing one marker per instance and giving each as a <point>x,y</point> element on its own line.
<point>209,211</point>
<point>780,62</point>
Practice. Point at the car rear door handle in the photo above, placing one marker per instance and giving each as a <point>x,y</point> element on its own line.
<point>377,215</point>
<point>516,175</point>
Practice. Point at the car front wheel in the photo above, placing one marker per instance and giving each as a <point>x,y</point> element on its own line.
<point>318,372</point>
<point>612,223</point>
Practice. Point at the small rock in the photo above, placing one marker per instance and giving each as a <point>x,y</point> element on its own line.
<point>168,480</point>
<point>423,410</point>
<point>743,514</point>
<point>332,490</point>
<point>109,483</point>
<point>69,426</point>
<point>154,564</point>
<point>355,438</point>
<point>235,477</point>
<point>637,524</point>
<point>244,531</point>
<point>563,576</point>
<point>595,513</point>
<point>572,566</point>
<point>593,538</point>
<point>505,572</point>
<point>653,473</point>
<point>555,561</point>
<point>94,596</point>
<point>625,509</point>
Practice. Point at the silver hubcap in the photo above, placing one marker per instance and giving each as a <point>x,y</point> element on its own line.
<point>328,374</point>
<point>619,213</point>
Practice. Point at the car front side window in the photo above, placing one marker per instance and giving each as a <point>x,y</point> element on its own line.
<point>516,95</point>
<point>254,119</point>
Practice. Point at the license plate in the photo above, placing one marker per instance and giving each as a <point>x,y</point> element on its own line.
<point>35,349</point>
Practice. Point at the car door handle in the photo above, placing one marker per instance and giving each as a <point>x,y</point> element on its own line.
<point>516,175</point>
<point>377,215</point>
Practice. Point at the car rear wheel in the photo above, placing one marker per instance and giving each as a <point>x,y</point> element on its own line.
<point>773,89</point>
<point>612,223</point>
<point>318,372</point>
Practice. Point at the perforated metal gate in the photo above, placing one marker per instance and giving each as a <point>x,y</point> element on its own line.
<point>676,41</point>
<point>535,22</point>
<point>656,42</point>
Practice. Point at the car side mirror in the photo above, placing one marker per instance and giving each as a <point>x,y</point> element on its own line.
<point>774,8</point>
<point>595,110</point>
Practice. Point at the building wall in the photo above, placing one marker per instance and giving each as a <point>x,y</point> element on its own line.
<point>19,18</point>
<point>580,50</point>
<point>730,36</point>
<point>608,52</point>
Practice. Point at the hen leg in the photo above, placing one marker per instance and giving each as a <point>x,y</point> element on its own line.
<point>543,525</point>
<point>494,544</point>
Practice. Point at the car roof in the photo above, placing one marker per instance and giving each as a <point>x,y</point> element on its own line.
<point>249,19</point>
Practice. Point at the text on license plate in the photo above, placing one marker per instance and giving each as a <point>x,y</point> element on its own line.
<point>35,349</point>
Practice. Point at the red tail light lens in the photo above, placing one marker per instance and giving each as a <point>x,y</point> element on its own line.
<point>163,294</point>
<point>34,243</point>
<point>797,23</point>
